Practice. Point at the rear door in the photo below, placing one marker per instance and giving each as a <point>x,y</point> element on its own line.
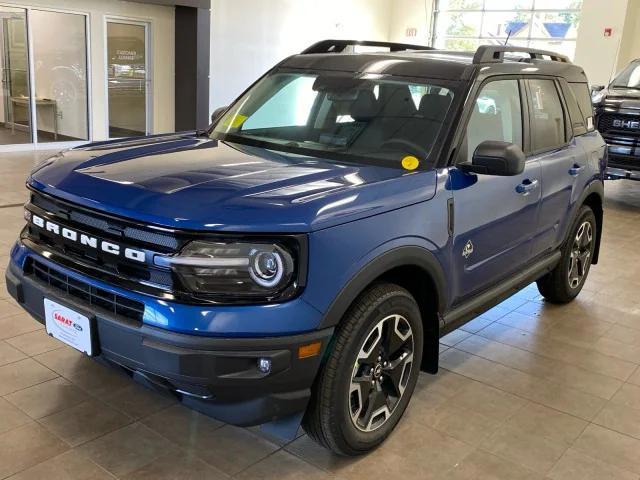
<point>562,159</point>
<point>495,217</point>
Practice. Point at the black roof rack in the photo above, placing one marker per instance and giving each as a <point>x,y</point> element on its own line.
<point>338,46</point>
<point>495,54</point>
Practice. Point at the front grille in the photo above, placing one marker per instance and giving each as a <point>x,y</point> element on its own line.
<point>620,161</point>
<point>124,233</point>
<point>104,224</point>
<point>605,124</point>
<point>92,296</point>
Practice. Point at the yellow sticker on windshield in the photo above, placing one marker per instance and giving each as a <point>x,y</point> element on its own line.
<point>410,162</point>
<point>234,122</point>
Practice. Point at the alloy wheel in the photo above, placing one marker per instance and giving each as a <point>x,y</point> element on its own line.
<point>381,373</point>
<point>580,258</point>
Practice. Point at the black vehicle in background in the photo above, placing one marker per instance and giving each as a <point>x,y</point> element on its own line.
<point>617,117</point>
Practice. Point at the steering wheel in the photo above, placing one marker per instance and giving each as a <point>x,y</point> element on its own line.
<point>404,145</point>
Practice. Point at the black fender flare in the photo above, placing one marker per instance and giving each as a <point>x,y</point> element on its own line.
<point>396,257</point>
<point>597,187</point>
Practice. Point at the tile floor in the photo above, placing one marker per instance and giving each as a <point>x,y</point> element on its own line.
<point>526,391</point>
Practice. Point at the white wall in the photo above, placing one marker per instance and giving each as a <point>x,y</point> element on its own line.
<point>162,45</point>
<point>597,54</point>
<point>410,14</point>
<point>249,36</point>
<point>630,45</point>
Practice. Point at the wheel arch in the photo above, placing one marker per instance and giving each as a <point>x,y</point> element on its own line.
<point>593,197</point>
<point>418,271</point>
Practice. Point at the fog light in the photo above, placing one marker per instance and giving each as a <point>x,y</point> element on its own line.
<point>264,365</point>
<point>27,215</point>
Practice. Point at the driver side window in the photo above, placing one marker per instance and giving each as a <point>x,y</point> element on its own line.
<point>497,115</point>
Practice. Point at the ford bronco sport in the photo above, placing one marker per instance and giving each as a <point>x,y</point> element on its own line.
<point>617,117</point>
<point>299,261</point>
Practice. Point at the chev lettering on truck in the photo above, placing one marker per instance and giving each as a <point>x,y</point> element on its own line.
<point>88,241</point>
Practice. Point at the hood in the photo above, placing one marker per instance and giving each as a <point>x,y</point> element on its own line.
<point>617,93</point>
<point>192,182</point>
<point>619,98</point>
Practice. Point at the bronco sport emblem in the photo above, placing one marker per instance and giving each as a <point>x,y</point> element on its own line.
<point>467,250</point>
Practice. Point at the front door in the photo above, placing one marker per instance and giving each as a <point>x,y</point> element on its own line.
<point>128,78</point>
<point>495,217</point>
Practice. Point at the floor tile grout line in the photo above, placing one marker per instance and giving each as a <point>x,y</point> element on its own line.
<point>532,375</point>
<point>537,376</point>
<point>519,396</point>
<point>637,365</point>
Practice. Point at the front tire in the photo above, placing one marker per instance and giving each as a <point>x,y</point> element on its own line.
<point>369,376</point>
<point>566,280</point>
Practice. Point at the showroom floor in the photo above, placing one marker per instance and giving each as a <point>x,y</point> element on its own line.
<point>528,390</point>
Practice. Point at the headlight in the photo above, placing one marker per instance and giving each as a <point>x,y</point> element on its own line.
<point>239,270</point>
<point>598,97</point>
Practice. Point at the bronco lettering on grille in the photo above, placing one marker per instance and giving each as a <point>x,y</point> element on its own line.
<point>88,241</point>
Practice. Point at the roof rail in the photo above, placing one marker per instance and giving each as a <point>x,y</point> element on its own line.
<point>338,46</point>
<point>495,54</point>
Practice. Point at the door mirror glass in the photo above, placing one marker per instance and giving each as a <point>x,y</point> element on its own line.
<point>217,113</point>
<point>496,158</point>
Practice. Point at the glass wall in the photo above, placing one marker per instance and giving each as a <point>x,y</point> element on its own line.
<point>60,71</point>
<point>43,57</point>
<point>15,108</point>
<point>544,24</point>
<point>128,78</point>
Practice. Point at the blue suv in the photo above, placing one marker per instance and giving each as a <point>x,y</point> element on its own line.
<point>299,261</point>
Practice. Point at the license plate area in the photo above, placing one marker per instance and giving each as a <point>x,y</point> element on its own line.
<point>70,327</point>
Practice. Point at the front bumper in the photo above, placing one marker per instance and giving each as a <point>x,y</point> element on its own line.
<point>218,376</point>
<point>614,173</point>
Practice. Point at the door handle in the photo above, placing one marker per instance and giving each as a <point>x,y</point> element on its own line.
<point>575,170</point>
<point>527,186</point>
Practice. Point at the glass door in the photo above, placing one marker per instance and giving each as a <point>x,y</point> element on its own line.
<point>15,104</point>
<point>60,75</point>
<point>128,78</point>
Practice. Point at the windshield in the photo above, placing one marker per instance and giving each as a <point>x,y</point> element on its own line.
<point>629,77</point>
<point>376,120</point>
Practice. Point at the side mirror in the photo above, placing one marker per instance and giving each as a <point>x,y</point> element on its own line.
<point>496,158</point>
<point>217,113</point>
<point>596,89</point>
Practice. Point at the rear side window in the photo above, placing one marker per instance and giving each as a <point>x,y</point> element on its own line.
<point>577,119</point>
<point>547,116</point>
<point>581,91</point>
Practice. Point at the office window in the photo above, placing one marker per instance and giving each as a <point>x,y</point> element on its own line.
<point>544,24</point>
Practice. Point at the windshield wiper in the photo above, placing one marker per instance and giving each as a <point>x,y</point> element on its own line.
<point>637,87</point>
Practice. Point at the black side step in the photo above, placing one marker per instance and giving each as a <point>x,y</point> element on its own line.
<point>488,299</point>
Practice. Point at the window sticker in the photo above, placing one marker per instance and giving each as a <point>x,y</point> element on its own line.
<point>234,122</point>
<point>410,162</point>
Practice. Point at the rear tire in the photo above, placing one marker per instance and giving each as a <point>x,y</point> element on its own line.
<point>566,280</point>
<point>371,371</point>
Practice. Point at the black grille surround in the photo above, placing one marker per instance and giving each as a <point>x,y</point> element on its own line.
<point>96,297</point>
<point>146,278</point>
<point>606,120</point>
